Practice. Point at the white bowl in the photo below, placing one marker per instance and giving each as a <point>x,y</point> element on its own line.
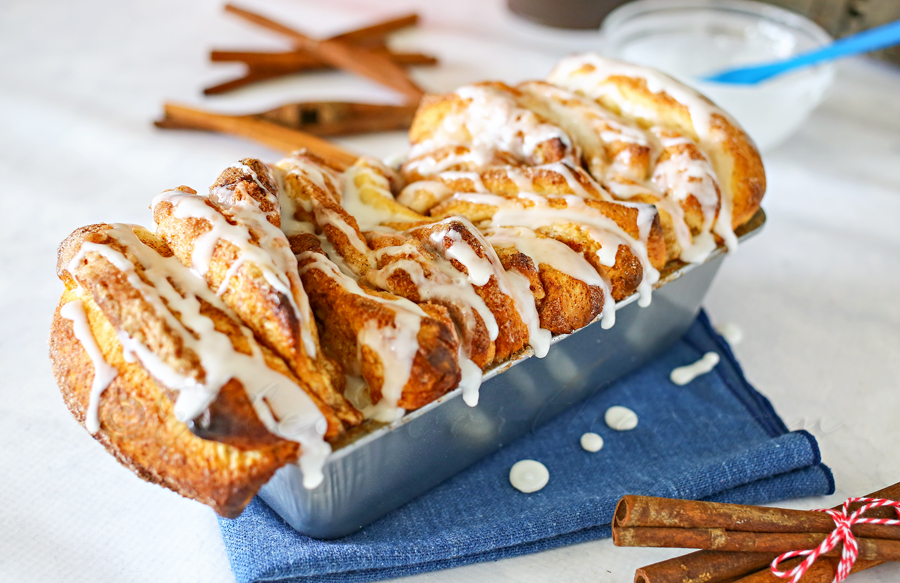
<point>689,39</point>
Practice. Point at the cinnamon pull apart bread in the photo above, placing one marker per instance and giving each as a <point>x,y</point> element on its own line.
<point>301,303</point>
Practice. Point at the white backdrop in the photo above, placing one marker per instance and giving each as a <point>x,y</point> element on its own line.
<point>80,82</point>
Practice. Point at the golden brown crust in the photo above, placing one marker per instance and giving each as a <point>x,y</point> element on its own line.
<point>444,118</point>
<point>469,324</point>
<point>733,154</point>
<point>138,425</point>
<point>345,313</point>
<point>131,312</point>
<point>513,336</point>
<point>625,274</point>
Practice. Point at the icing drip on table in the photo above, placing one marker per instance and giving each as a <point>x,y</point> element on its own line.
<point>621,418</point>
<point>528,476</point>
<point>731,332</point>
<point>685,374</point>
<point>103,372</point>
<point>170,288</point>
<point>591,442</point>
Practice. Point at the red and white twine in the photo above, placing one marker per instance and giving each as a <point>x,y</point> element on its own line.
<point>841,534</point>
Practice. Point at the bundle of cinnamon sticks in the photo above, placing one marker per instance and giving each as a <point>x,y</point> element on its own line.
<point>739,542</point>
<point>295,126</point>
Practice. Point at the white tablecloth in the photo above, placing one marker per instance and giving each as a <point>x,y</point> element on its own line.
<point>816,294</point>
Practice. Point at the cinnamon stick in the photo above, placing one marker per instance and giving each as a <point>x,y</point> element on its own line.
<point>265,132</point>
<point>673,515</point>
<point>343,55</point>
<point>723,567</point>
<point>296,61</point>
<point>252,76</point>
<point>338,118</point>
<point>717,539</point>
<point>704,567</point>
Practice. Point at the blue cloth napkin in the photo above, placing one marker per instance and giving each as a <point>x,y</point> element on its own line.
<point>716,438</point>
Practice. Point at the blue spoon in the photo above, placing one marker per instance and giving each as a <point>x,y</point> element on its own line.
<point>870,40</point>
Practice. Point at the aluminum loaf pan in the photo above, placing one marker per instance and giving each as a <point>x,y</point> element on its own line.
<point>387,468</point>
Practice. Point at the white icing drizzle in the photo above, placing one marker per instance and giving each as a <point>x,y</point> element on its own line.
<point>685,374</point>
<point>103,372</point>
<point>447,284</point>
<point>470,382</point>
<point>224,195</point>
<point>528,476</point>
<point>326,216</point>
<point>491,120</point>
<point>592,126</point>
<point>511,213</point>
<point>621,418</point>
<point>396,345</point>
<point>731,332</point>
<point>511,283</point>
<point>591,442</point>
<point>451,285</point>
<point>319,176</point>
<point>282,406</point>
<point>549,251</point>
<point>480,269</point>
<point>271,253</point>
<point>680,176</point>
<point>568,73</point>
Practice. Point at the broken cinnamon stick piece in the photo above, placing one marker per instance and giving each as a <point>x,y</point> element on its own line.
<point>822,571</point>
<point>704,567</point>
<point>338,118</point>
<point>265,66</point>
<point>264,132</point>
<point>649,511</point>
<point>303,60</point>
<point>323,118</point>
<point>343,55</point>
<point>252,76</point>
